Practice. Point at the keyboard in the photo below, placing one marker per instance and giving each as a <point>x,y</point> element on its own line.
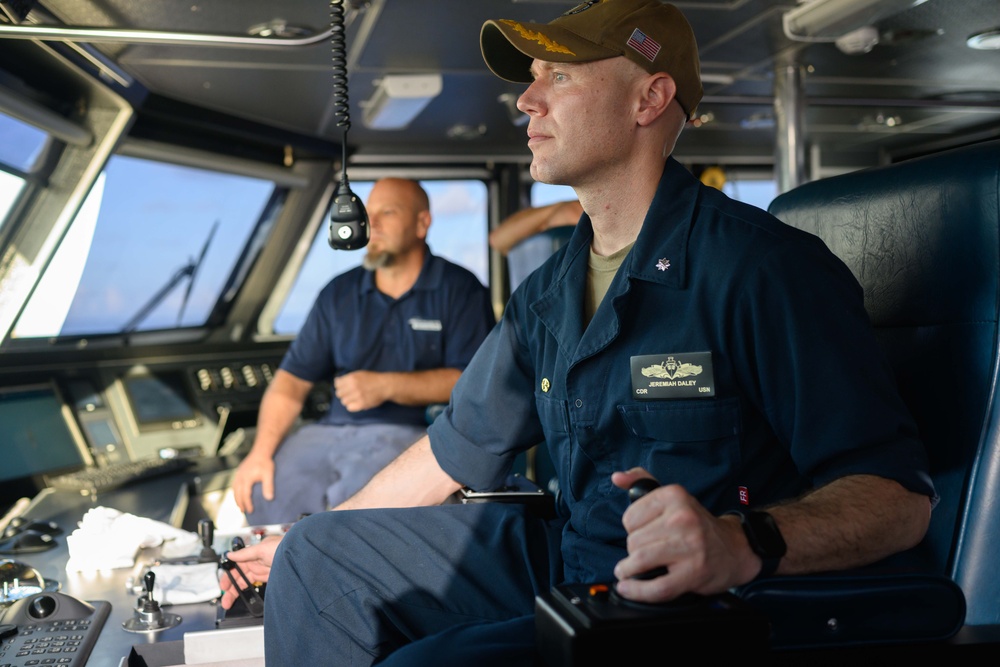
<point>112,476</point>
<point>51,629</point>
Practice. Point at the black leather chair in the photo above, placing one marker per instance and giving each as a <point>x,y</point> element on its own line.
<point>923,238</point>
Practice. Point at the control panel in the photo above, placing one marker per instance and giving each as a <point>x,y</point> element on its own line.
<point>51,629</point>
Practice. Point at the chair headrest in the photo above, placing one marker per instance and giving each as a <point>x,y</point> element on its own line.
<point>915,233</point>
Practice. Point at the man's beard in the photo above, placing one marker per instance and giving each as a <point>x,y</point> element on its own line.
<point>378,259</point>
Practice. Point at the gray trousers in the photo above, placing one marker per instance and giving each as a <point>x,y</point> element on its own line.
<point>319,466</point>
<point>446,585</point>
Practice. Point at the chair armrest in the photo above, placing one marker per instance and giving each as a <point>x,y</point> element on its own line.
<point>863,607</point>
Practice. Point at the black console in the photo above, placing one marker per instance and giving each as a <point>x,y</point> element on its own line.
<point>50,629</point>
<point>578,625</point>
<point>590,624</point>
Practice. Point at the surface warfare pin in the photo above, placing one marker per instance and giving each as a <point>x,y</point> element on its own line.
<point>677,375</point>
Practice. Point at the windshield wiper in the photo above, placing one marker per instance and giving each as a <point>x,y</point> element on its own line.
<point>189,270</point>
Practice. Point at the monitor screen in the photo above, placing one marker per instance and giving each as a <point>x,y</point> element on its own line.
<point>36,438</point>
<point>158,398</point>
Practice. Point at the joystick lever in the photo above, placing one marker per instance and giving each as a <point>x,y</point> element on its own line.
<point>249,592</point>
<point>206,531</point>
<point>148,616</point>
<point>640,488</point>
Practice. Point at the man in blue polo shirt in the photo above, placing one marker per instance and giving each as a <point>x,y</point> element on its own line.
<point>394,335</point>
<point>678,335</point>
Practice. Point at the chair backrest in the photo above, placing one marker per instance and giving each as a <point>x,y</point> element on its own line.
<point>923,239</point>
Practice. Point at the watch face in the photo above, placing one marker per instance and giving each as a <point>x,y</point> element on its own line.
<point>766,539</point>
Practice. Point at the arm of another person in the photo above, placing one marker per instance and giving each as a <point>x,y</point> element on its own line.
<point>279,408</point>
<point>363,390</point>
<point>530,221</point>
<point>850,522</point>
<point>413,479</point>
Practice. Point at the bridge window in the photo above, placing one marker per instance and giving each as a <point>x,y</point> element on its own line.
<point>543,194</point>
<point>20,147</point>
<point>22,143</point>
<point>458,233</point>
<point>758,192</point>
<point>152,247</point>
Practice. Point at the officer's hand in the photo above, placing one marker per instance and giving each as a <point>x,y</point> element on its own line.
<point>361,390</point>
<point>253,469</point>
<point>669,527</point>
<point>255,561</point>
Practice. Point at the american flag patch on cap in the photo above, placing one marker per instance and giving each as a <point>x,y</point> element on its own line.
<point>644,44</point>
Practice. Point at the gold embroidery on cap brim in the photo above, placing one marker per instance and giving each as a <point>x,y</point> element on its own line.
<point>537,37</point>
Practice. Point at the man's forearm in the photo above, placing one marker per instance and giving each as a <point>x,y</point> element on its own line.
<point>280,407</point>
<point>422,387</point>
<point>850,522</point>
<point>413,479</point>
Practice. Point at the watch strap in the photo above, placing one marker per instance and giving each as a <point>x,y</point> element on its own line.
<point>764,539</point>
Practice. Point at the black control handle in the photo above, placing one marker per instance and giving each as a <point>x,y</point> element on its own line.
<point>149,579</point>
<point>641,488</point>
<point>248,592</point>
<point>206,530</point>
<point>636,491</point>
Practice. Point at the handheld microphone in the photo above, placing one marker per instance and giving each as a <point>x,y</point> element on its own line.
<point>349,228</point>
<point>348,219</point>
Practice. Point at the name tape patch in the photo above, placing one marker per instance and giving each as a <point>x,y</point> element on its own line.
<point>676,375</point>
<point>418,324</point>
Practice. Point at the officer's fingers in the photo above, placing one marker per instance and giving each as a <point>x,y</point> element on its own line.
<point>626,478</point>
<point>243,555</point>
<point>229,595</point>
<point>665,508</point>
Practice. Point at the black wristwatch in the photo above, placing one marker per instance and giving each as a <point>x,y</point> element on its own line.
<point>764,537</point>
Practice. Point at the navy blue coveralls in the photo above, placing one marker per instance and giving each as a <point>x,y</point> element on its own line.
<point>731,354</point>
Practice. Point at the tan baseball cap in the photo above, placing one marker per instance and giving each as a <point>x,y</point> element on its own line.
<point>652,34</point>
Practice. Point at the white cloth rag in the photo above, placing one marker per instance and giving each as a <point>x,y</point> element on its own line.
<point>109,539</point>
<point>184,584</point>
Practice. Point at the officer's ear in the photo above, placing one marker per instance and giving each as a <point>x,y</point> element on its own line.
<point>657,91</point>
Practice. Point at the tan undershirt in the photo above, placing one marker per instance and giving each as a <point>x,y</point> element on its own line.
<point>601,272</point>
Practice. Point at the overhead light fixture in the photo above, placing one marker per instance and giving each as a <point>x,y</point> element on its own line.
<point>827,20</point>
<point>861,40</point>
<point>280,28</point>
<point>986,40</point>
<point>398,99</point>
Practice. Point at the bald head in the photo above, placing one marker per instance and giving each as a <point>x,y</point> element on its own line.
<point>405,190</point>
<point>399,215</point>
